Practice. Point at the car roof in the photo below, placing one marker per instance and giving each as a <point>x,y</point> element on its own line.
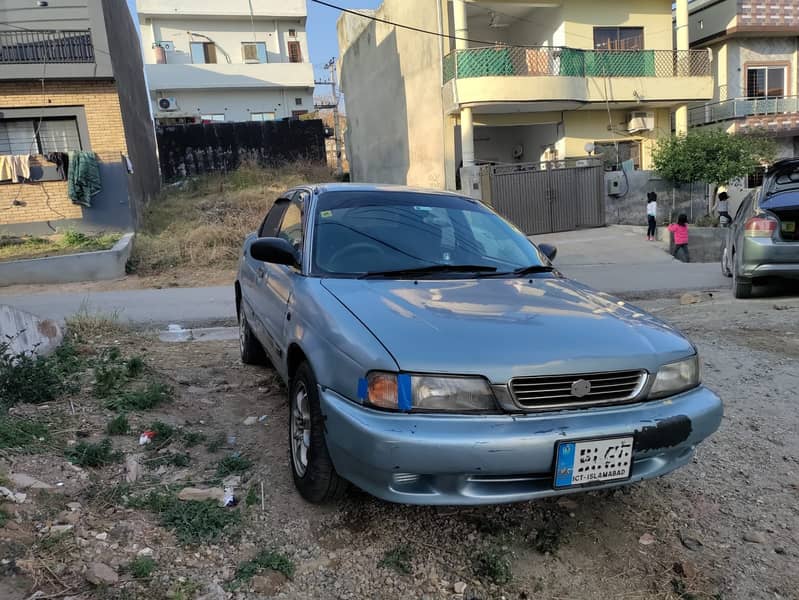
<point>321,188</point>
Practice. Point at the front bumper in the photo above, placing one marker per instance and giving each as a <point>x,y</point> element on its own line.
<point>491,459</point>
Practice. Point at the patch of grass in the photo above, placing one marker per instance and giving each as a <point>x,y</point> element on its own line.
<point>184,590</point>
<point>101,454</point>
<point>251,499</point>
<point>118,425</point>
<point>547,538</point>
<point>266,559</point>
<point>29,377</point>
<point>87,324</point>
<point>141,567</point>
<point>192,522</point>
<point>192,438</point>
<point>152,395</point>
<point>164,432</point>
<point>398,559</point>
<point>4,517</point>
<point>235,464</point>
<point>216,444</point>
<point>492,565</point>
<point>21,433</point>
<point>135,366</point>
<point>180,459</point>
<point>202,221</point>
<point>13,248</point>
<point>105,494</point>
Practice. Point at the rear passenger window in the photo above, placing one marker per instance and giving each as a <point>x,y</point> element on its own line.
<point>291,229</point>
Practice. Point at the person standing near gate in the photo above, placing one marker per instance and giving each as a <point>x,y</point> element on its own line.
<point>723,209</point>
<point>651,216</point>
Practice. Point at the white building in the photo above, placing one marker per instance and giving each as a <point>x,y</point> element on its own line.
<point>235,60</point>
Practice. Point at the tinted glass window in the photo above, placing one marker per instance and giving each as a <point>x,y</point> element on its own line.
<point>271,223</point>
<point>365,231</point>
<point>291,229</point>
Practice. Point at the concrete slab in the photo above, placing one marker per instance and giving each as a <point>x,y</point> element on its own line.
<point>84,266</point>
<point>26,332</point>
<point>176,333</point>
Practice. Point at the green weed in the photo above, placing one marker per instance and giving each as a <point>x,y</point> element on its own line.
<point>170,458</point>
<point>251,499</point>
<point>192,438</point>
<point>492,565</point>
<point>266,559</point>
<point>398,559</point>
<point>164,433</point>
<point>141,567</point>
<point>216,444</point>
<point>101,454</point>
<point>118,426</point>
<point>4,517</point>
<point>235,464</point>
<point>29,377</point>
<point>21,433</point>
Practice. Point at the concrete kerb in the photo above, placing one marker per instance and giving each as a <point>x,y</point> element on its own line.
<point>69,268</point>
<point>704,243</point>
<point>26,332</point>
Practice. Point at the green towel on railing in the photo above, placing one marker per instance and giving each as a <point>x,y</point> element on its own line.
<point>83,180</point>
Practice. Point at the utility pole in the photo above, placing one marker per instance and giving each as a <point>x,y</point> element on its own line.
<point>331,66</point>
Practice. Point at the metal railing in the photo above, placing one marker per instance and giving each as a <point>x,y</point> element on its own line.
<point>36,47</point>
<point>516,61</point>
<point>739,108</point>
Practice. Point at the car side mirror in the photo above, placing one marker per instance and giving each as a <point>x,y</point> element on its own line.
<point>276,251</point>
<point>549,250</point>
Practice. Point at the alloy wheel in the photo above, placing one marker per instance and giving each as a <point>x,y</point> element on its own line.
<point>300,429</point>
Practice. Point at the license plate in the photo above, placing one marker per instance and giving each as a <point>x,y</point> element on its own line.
<point>593,461</point>
<point>789,226</point>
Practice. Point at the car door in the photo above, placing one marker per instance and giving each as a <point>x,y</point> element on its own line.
<point>279,285</point>
<point>737,229</point>
<point>253,273</point>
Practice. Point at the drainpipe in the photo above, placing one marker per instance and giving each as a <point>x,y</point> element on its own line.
<point>467,124</point>
<point>683,45</point>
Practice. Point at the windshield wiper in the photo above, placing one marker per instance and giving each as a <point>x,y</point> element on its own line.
<point>430,270</point>
<point>533,269</point>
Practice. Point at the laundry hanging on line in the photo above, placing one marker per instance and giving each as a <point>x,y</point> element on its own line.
<point>83,178</point>
<point>15,167</point>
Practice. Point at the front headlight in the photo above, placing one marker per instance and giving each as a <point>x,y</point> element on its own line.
<point>408,392</point>
<point>676,377</point>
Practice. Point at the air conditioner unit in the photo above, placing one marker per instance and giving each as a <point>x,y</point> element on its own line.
<point>641,121</point>
<point>167,104</point>
<point>613,181</point>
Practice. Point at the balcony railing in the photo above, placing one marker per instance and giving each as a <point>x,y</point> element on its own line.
<point>52,47</point>
<point>515,61</point>
<point>739,108</point>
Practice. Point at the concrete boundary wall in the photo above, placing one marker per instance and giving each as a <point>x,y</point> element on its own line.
<point>69,268</point>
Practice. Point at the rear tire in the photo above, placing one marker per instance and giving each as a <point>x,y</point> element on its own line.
<point>252,352</point>
<point>314,475</point>
<point>741,288</point>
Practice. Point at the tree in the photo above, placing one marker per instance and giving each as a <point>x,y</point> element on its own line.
<point>714,157</point>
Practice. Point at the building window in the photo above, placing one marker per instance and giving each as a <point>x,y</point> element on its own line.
<point>35,136</point>
<point>618,38</point>
<point>298,101</point>
<point>262,116</point>
<point>292,33</point>
<point>765,81</point>
<point>756,179</point>
<point>613,158</point>
<point>211,118</point>
<point>295,52</point>
<point>253,52</point>
<point>203,52</point>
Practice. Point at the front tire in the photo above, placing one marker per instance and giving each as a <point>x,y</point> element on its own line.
<point>252,352</point>
<point>314,475</point>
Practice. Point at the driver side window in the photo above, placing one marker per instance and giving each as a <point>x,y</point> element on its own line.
<point>291,228</point>
<point>271,224</point>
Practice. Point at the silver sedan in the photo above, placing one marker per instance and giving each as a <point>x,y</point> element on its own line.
<point>433,355</point>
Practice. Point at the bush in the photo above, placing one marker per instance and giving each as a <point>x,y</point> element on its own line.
<point>266,559</point>
<point>118,426</point>
<point>235,464</point>
<point>94,455</point>
<point>28,377</point>
<point>20,433</point>
<point>141,567</point>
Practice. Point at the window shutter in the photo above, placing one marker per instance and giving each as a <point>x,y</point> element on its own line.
<point>295,53</point>
<point>250,52</point>
<point>210,53</point>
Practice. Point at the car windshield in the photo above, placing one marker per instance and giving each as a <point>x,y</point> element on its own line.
<point>380,231</point>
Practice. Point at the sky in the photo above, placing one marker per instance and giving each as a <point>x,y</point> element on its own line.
<point>321,27</point>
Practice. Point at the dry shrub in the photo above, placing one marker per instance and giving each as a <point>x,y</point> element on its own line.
<point>202,222</point>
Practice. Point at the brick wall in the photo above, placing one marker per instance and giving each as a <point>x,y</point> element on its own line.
<point>768,13</point>
<point>48,201</point>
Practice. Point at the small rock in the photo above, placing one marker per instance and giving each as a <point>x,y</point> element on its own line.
<point>132,468</point>
<point>17,497</point>
<point>250,420</point>
<point>23,482</point>
<point>755,537</point>
<point>145,552</point>
<point>690,542</point>
<point>695,297</point>
<point>101,574</point>
<point>101,536</point>
<point>213,591</point>
<point>60,528</point>
<point>69,517</point>
<point>567,503</point>
<point>268,584</point>
<point>779,550</point>
<point>459,587</point>
<point>74,505</point>
<point>233,481</point>
<point>685,569</point>
<point>647,539</point>
<point>200,494</point>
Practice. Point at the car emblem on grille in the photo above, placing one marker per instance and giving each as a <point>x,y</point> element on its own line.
<point>581,388</point>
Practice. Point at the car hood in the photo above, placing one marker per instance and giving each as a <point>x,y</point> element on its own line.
<point>502,328</point>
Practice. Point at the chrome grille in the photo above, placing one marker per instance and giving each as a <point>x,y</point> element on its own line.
<point>557,391</point>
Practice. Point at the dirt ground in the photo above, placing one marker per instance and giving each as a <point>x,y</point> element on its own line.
<point>724,527</point>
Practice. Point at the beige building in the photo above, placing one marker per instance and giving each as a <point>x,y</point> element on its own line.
<point>755,48</point>
<point>535,81</point>
<point>239,60</point>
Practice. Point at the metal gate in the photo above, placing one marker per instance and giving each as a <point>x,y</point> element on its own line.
<point>549,197</point>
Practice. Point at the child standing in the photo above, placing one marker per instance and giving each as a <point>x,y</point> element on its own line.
<point>651,215</point>
<point>680,231</point>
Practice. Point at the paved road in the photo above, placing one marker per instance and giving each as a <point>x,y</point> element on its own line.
<point>614,259</point>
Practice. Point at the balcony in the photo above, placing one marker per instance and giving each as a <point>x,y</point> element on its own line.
<point>561,77</point>
<point>50,47</point>
<point>775,114</point>
<point>232,8</point>
<point>229,76</point>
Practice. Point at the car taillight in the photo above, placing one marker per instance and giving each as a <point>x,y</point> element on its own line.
<point>760,227</point>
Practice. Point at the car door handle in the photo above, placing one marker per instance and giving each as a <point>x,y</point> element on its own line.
<point>261,271</point>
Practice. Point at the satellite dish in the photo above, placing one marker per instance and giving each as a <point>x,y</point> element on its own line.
<point>590,147</point>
